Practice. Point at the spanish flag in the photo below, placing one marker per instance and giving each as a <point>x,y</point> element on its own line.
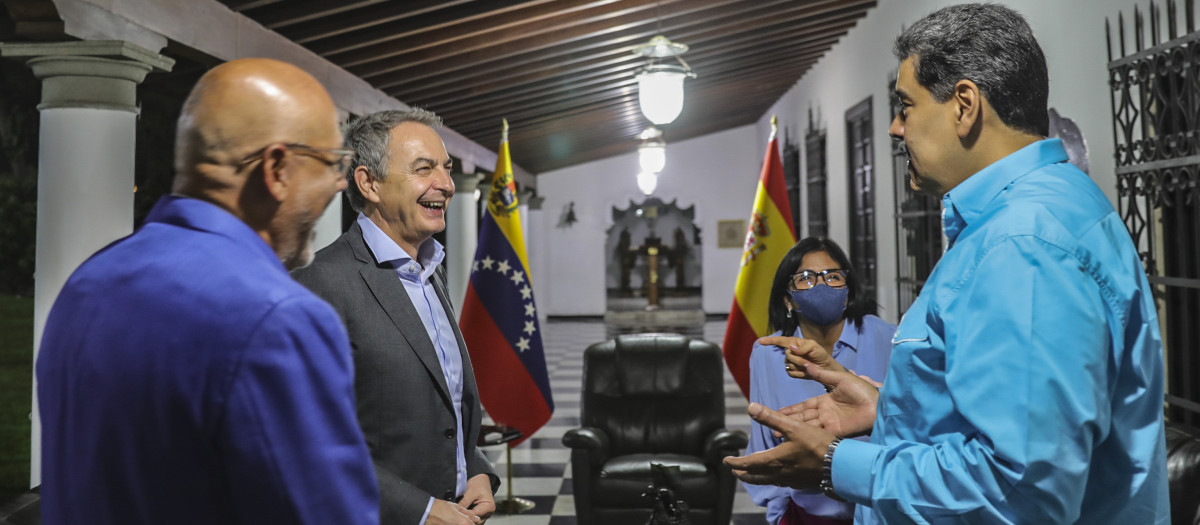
<point>499,319</point>
<point>769,236</point>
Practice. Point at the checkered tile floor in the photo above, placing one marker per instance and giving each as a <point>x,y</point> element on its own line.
<point>541,464</point>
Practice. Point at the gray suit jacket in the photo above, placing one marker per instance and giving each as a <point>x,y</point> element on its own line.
<point>404,405</point>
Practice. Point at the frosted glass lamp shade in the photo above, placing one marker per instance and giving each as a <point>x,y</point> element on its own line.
<point>647,182</point>
<point>652,156</point>
<point>660,94</point>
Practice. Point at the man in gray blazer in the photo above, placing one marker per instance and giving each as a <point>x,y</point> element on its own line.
<point>417,400</point>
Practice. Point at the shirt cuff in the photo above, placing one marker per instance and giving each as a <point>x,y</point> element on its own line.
<point>853,465</point>
<point>428,507</point>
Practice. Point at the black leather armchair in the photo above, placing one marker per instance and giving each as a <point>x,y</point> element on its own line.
<point>652,398</point>
<point>1183,473</point>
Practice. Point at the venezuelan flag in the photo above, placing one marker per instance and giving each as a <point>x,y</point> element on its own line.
<point>499,319</point>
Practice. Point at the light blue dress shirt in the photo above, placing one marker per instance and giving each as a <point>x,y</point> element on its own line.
<point>864,352</point>
<point>1026,381</point>
<point>416,275</point>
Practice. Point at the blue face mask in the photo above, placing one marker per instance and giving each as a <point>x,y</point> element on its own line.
<point>821,304</point>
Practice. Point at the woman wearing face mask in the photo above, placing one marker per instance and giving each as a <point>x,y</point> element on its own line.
<point>821,315</point>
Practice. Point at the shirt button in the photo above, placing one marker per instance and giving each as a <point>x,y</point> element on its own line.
<point>449,433</point>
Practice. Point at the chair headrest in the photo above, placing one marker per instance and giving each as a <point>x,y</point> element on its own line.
<point>651,364</point>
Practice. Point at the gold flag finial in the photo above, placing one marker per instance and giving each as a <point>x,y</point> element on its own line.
<point>774,125</point>
<point>504,133</point>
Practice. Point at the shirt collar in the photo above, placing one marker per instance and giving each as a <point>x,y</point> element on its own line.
<point>848,339</point>
<point>967,201</point>
<point>429,255</point>
<point>202,215</point>
<point>850,335</point>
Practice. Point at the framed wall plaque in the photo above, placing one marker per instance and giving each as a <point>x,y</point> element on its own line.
<point>731,233</point>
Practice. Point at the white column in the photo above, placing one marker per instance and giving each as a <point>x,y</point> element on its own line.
<point>329,226</point>
<point>462,235</point>
<point>85,164</point>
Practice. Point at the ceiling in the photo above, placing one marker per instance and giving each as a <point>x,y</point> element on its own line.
<point>561,71</point>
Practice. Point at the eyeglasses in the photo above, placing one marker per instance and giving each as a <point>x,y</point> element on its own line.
<point>322,154</point>
<point>806,279</point>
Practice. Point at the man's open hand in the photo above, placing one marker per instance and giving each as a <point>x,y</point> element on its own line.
<point>796,463</point>
<point>847,411</point>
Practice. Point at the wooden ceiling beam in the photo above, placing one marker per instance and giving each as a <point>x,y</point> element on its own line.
<point>281,16</point>
<point>547,39</point>
<point>361,19</point>
<point>696,26</point>
<point>572,115</point>
<point>245,5</point>
<point>446,28</point>
<point>575,19</point>
<point>544,64</point>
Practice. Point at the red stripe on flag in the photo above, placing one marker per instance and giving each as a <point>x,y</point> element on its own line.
<point>739,343</point>
<point>507,391</point>
<point>772,180</point>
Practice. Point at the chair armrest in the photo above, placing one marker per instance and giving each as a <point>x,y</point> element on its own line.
<point>589,441</point>
<point>587,438</point>
<point>722,442</point>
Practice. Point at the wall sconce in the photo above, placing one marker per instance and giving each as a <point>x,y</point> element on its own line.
<point>647,182</point>
<point>652,153</point>
<point>660,86</point>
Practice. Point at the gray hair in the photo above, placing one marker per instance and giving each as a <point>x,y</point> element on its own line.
<point>990,45</point>
<point>369,137</point>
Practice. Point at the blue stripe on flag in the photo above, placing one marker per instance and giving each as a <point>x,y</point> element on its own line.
<point>503,288</point>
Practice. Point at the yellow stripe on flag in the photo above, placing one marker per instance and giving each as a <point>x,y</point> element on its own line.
<point>768,239</point>
<point>502,201</point>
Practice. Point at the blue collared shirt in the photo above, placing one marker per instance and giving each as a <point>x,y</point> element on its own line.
<point>1026,382</point>
<point>416,275</point>
<point>864,352</point>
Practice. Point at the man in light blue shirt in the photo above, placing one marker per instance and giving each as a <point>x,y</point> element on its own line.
<point>1026,380</point>
<point>418,403</point>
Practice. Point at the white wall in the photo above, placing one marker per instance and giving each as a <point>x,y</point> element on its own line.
<point>717,173</point>
<point>1071,33</point>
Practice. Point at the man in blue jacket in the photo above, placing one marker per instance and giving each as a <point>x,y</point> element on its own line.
<point>184,377</point>
<point>1026,381</point>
